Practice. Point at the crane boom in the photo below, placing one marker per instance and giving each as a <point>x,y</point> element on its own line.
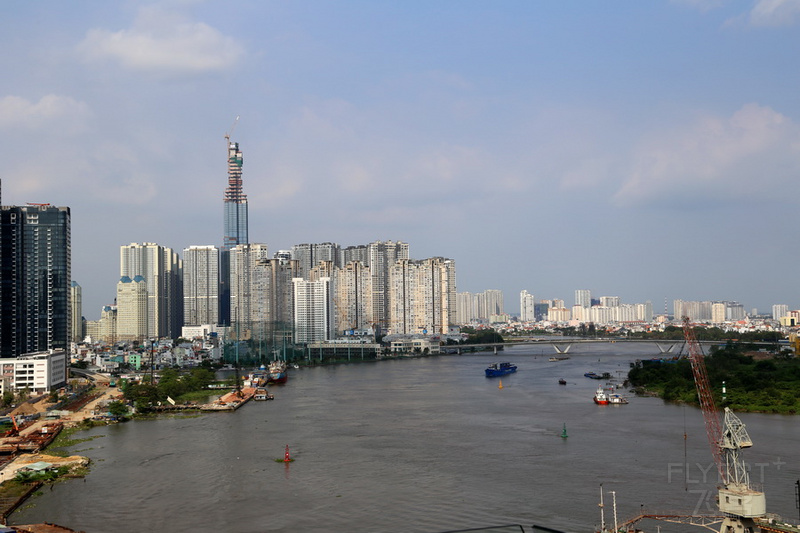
<point>709,408</point>
<point>233,127</point>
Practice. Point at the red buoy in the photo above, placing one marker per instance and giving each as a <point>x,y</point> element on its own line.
<point>286,457</point>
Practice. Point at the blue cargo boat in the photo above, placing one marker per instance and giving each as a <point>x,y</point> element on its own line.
<point>500,369</point>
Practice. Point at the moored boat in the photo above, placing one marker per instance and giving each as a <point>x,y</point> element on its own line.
<point>562,381</point>
<point>600,397</point>
<point>500,369</point>
<point>277,372</point>
<point>262,395</point>
<point>617,399</point>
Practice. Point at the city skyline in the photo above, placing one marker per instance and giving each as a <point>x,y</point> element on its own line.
<point>638,150</point>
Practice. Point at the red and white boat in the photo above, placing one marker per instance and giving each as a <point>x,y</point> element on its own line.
<point>600,397</point>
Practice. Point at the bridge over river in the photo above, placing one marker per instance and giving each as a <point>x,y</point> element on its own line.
<point>562,345</point>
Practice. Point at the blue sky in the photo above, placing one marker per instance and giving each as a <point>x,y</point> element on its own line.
<point>648,150</point>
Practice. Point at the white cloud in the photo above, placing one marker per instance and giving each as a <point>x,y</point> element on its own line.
<point>750,156</point>
<point>163,42</point>
<point>17,112</point>
<point>774,12</point>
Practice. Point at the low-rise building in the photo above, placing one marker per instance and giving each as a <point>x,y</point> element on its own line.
<point>418,345</point>
<point>38,372</point>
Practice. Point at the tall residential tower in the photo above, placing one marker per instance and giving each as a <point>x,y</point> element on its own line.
<point>201,285</point>
<point>162,272</point>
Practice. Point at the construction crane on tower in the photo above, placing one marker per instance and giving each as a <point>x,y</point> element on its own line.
<point>738,501</point>
<point>230,130</point>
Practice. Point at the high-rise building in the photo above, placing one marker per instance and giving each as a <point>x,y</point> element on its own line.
<point>162,272</point>
<point>272,299</point>
<point>200,285</point>
<point>353,296</point>
<point>354,253</point>
<point>610,301</point>
<point>247,308</point>
<point>558,314</point>
<point>422,296</point>
<point>466,308</point>
<point>382,258</point>
<point>718,312</point>
<point>309,255</point>
<point>235,229</point>
<point>644,311</point>
<point>696,311</point>
<point>133,310</point>
<point>779,310</point>
<point>76,312</point>
<point>35,277</point>
<point>314,318</point>
<point>490,302</point>
<point>526,307</point>
<point>235,203</point>
<point>583,297</point>
<point>107,325</point>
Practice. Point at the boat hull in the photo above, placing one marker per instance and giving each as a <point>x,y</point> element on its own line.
<point>278,377</point>
<point>500,369</point>
<point>277,372</point>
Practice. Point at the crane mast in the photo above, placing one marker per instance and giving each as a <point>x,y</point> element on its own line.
<point>738,501</point>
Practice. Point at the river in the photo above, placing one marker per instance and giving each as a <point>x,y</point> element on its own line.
<point>416,445</point>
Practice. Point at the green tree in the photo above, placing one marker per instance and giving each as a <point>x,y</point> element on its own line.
<point>118,409</point>
<point>8,398</point>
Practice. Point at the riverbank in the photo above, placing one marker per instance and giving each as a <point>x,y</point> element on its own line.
<point>24,469</point>
<point>747,382</point>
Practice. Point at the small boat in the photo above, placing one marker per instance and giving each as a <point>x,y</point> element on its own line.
<point>500,369</point>
<point>562,358</point>
<point>262,395</point>
<point>600,397</point>
<point>593,375</point>
<point>617,399</point>
<point>562,381</point>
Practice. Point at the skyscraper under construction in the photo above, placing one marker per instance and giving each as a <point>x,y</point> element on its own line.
<point>235,232</point>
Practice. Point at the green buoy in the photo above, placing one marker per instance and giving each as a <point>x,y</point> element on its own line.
<point>564,431</point>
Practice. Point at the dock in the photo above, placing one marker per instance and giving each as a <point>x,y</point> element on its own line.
<point>231,401</point>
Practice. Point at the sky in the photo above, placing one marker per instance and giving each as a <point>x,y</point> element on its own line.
<point>647,150</point>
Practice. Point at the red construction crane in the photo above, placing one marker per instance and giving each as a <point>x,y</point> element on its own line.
<point>738,501</point>
<point>710,413</point>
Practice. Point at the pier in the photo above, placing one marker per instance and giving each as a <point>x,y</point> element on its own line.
<point>231,401</point>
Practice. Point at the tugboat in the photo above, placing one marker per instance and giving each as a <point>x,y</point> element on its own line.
<point>600,397</point>
<point>500,369</point>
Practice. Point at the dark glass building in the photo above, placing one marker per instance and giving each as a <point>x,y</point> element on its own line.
<point>35,277</point>
<point>235,231</point>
